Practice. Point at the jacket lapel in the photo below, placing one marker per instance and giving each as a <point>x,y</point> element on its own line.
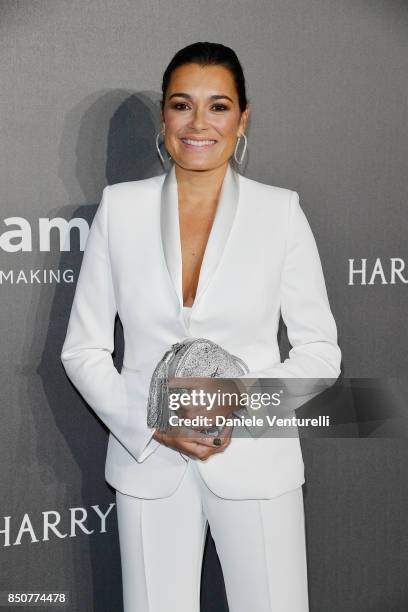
<point>220,231</point>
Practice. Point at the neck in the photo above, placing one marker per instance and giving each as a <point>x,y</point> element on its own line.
<point>199,186</point>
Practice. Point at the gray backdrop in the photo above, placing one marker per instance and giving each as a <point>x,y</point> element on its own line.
<point>80,85</point>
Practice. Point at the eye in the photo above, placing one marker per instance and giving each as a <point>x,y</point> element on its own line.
<point>220,107</point>
<point>179,105</point>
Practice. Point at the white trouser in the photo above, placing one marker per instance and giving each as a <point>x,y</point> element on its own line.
<point>260,544</point>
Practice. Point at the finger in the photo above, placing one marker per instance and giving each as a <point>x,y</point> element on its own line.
<point>191,444</point>
<point>205,452</point>
<point>201,443</point>
<point>217,442</point>
<point>193,449</point>
<point>194,438</point>
<point>206,439</point>
<point>199,451</point>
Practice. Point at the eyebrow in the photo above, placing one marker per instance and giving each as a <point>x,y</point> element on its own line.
<point>181,94</point>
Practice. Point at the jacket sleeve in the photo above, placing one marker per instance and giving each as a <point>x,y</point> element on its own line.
<point>306,312</point>
<point>89,343</point>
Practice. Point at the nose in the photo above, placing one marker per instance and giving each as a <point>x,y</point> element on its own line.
<point>198,119</point>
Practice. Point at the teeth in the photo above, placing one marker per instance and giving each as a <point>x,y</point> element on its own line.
<point>198,143</point>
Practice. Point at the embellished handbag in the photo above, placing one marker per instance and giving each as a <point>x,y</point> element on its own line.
<point>191,357</point>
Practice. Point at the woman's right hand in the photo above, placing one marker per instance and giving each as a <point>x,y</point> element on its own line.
<point>190,443</point>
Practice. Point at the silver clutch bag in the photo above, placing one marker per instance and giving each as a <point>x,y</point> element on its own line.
<point>191,357</point>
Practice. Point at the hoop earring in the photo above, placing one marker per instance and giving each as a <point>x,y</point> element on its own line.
<point>158,147</point>
<point>240,160</point>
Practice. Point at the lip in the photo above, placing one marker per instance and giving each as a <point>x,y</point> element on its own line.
<point>194,147</point>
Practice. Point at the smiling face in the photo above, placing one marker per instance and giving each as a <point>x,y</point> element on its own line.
<point>201,116</point>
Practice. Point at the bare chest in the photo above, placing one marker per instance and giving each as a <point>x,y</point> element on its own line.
<point>195,228</point>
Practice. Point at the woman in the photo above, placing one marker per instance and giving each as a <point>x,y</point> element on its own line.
<point>201,251</point>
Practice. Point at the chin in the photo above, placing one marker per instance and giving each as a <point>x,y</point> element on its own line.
<point>198,164</point>
<point>189,164</point>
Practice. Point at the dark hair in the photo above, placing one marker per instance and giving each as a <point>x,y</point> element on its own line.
<point>208,54</point>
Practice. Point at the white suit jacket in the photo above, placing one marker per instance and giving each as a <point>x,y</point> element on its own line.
<point>261,261</point>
